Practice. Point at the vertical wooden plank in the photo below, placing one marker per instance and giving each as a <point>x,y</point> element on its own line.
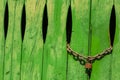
<point>116,50</point>
<point>16,54</point>
<point>55,56</point>
<point>32,47</point>
<point>9,41</point>
<point>2,10</point>
<point>79,39</point>
<point>100,22</point>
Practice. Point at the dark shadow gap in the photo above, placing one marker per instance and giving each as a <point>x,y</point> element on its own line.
<point>6,20</point>
<point>69,25</point>
<point>112,25</point>
<point>68,32</point>
<point>44,33</point>
<point>23,27</point>
<point>88,72</point>
<point>45,23</point>
<point>23,22</point>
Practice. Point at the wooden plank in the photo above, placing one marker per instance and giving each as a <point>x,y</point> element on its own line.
<point>55,56</point>
<point>16,55</point>
<point>32,47</point>
<point>2,10</point>
<point>9,41</point>
<point>115,75</point>
<point>100,22</point>
<point>79,39</point>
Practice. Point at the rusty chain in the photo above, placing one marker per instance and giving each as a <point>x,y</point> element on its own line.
<point>89,59</point>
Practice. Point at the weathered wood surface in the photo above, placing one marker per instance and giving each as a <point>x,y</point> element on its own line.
<point>34,59</point>
<point>13,41</point>
<point>2,39</point>
<point>9,40</point>
<point>115,70</point>
<point>32,46</point>
<point>79,39</point>
<point>16,53</point>
<point>100,24</point>
<point>55,55</point>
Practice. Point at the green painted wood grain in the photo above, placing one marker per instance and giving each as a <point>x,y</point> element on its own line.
<point>9,41</point>
<point>32,47</point>
<point>116,47</point>
<point>17,41</point>
<point>55,56</point>
<point>79,39</point>
<point>2,9</point>
<point>100,22</point>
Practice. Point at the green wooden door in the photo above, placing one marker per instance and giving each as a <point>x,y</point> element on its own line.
<point>34,34</point>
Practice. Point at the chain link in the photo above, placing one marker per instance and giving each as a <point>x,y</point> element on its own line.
<point>90,59</point>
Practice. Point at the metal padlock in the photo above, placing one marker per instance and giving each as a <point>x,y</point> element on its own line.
<point>88,67</point>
